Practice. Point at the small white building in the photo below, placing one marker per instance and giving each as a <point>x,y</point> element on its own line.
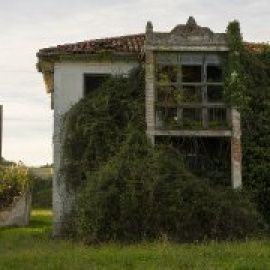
<point>185,62</point>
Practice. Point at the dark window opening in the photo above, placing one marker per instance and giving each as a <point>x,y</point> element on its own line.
<point>192,74</point>
<point>93,82</point>
<point>214,73</point>
<point>214,93</point>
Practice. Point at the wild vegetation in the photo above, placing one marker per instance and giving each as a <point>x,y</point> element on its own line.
<point>14,180</point>
<point>247,87</point>
<point>256,128</point>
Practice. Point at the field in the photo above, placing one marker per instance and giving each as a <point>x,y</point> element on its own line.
<point>32,248</point>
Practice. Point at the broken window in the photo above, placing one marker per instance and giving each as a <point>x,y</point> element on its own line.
<point>93,82</point>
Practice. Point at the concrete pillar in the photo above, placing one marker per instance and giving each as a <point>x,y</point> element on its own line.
<point>150,94</point>
<point>236,151</point>
<point>62,198</point>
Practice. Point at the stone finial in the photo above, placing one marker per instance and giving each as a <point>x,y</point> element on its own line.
<point>149,27</point>
<point>191,21</point>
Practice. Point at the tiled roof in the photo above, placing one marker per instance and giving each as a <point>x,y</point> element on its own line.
<point>256,47</point>
<point>124,44</point>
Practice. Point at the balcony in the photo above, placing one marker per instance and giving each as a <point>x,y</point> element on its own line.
<point>189,93</point>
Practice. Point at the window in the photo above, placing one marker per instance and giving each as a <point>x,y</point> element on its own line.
<point>189,91</point>
<point>214,93</point>
<point>192,118</point>
<point>217,117</point>
<point>214,73</point>
<point>192,74</point>
<point>93,82</point>
<point>166,74</point>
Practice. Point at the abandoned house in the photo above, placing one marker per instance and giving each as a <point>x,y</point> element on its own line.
<point>183,76</point>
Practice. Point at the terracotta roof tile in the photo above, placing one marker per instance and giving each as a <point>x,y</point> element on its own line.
<point>124,44</point>
<point>256,47</point>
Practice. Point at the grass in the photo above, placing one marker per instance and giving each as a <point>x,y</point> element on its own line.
<point>32,248</point>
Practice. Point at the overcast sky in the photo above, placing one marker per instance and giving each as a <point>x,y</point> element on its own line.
<point>29,25</point>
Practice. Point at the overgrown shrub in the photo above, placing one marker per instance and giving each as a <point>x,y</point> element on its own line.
<point>256,129</point>
<point>145,193</point>
<point>98,124</point>
<point>128,190</point>
<point>13,182</point>
<point>247,87</point>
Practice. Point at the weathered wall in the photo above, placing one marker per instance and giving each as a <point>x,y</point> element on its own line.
<point>68,89</point>
<point>18,214</point>
<point>236,150</point>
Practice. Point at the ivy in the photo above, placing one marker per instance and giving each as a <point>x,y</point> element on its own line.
<point>128,190</point>
<point>234,73</point>
<point>96,126</point>
<point>256,128</point>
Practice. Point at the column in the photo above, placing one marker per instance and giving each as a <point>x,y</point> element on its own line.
<point>150,95</point>
<point>236,151</point>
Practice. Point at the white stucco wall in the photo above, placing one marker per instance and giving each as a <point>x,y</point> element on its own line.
<point>69,89</point>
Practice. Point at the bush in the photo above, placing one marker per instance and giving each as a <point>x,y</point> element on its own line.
<point>256,130</point>
<point>128,190</point>
<point>145,193</point>
<point>13,182</point>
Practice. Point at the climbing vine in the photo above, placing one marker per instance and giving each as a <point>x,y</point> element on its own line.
<point>234,72</point>
<point>256,128</point>
<point>128,190</point>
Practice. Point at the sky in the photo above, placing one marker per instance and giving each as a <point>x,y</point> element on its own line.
<point>29,25</point>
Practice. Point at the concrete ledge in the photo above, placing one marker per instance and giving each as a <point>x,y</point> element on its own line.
<point>18,214</point>
<point>193,133</point>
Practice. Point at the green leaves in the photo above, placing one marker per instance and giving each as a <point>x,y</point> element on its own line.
<point>13,181</point>
<point>234,76</point>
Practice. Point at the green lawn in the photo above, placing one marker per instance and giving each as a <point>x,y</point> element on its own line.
<point>32,248</point>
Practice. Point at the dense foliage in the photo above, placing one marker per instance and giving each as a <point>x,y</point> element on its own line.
<point>144,193</point>
<point>249,90</point>
<point>13,182</point>
<point>98,124</point>
<point>128,190</point>
<point>234,72</point>
<point>256,128</point>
